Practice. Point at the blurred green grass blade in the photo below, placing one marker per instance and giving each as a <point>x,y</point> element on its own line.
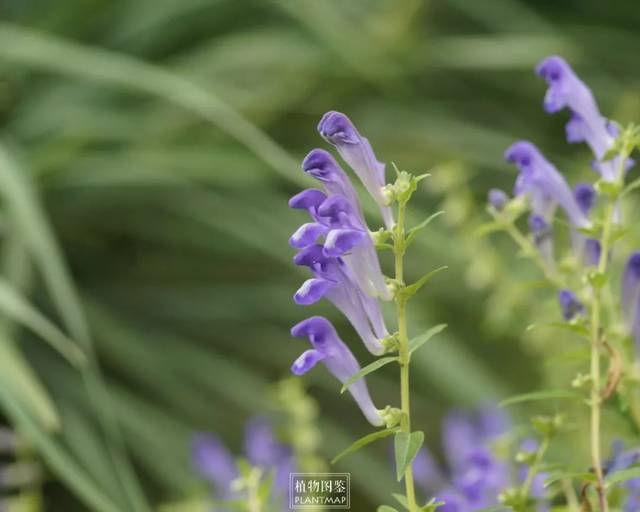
<point>18,309</point>
<point>56,457</point>
<point>34,228</point>
<point>41,51</point>
<point>20,381</point>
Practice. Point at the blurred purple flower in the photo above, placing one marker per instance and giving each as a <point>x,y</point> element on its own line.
<point>356,150</point>
<point>624,459</point>
<point>631,296</point>
<point>214,462</point>
<point>498,198</point>
<point>544,184</point>
<point>569,304</point>
<point>329,349</point>
<point>587,124</point>
<point>475,475</point>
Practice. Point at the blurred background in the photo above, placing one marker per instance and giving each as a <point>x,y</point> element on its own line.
<point>147,152</point>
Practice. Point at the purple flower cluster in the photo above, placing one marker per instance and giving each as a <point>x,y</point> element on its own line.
<point>338,249</point>
<point>261,448</point>
<point>476,475</point>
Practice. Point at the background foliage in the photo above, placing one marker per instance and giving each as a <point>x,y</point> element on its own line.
<point>148,148</point>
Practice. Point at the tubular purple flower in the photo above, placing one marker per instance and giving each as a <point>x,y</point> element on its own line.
<point>356,150</point>
<point>498,199</point>
<point>543,183</point>
<point>570,305</point>
<point>586,249</point>
<point>335,281</point>
<point>329,349</point>
<point>215,463</point>
<point>631,296</point>
<point>587,124</point>
<point>308,199</point>
<point>585,196</point>
<point>542,237</point>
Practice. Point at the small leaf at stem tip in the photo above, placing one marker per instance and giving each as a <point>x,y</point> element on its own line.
<point>363,441</point>
<point>415,230</point>
<point>622,476</point>
<point>418,341</point>
<point>377,364</point>
<point>402,499</point>
<point>386,508</point>
<point>409,291</point>
<point>551,394</point>
<point>406,446</point>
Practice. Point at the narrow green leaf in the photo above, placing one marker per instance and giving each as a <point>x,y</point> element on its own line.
<point>575,328</point>
<point>556,477</point>
<point>406,447</point>
<point>402,499</point>
<point>18,309</point>
<point>631,187</point>
<point>420,340</point>
<point>386,508</point>
<point>19,379</point>
<point>551,394</point>
<point>413,232</point>
<point>622,476</point>
<point>412,289</point>
<point>363,441</point>
<point>57,458</point>
<point>370,368</point>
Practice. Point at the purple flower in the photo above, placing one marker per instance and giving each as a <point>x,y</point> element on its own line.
<point>498,199</point>
<point>585,196</point>
<point>542,237</point>
<point>334,280</point>
<point>476,476</point>
<point>214,462</point>
<point>587,124</point>
<point>570,305</point>
<point>338,130</point>
<point>544,184</point>
<point>631,296</point>
<point>329,349</point>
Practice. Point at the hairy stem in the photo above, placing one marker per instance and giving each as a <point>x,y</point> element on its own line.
<point>595,401</point>
<point>403,348</point>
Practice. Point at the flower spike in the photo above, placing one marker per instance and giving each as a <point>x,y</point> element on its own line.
<point>329,349</point>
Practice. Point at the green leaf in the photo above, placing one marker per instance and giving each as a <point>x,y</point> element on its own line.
<point>408,291</point>
<point>406,447</point>
<point>631,187</point>
<point>420,340</point>
<point>21,382</point>
<point>622,476</point>
<point>370,368</point>
<point>551,394</point>
<point>363,441</point>
<point>402,499</point>
<point>556,477</point>
<point>413,232</point>
<point>18,309</point>
<point>573,327</point>
<point>386,508</point>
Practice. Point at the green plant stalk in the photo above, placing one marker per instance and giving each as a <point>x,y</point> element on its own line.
<point>533,471</point>
<point>595,400</point>
<point>253,485</point>
<point>399,248</point>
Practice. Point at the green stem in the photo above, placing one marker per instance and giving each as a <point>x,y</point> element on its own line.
<point>527,247</point>
<point>403,347</point>
<point>595,401</point>
<point>533,471</point>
